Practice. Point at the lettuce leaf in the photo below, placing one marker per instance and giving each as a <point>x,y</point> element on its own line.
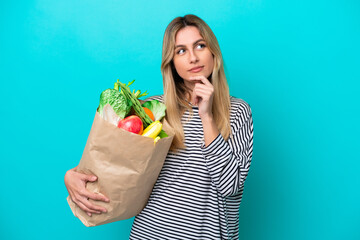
<point>109,115</point>
<point>119,103</point>
<point>156,107</point>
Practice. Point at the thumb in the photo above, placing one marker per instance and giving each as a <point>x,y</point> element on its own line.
<point>89,178</point>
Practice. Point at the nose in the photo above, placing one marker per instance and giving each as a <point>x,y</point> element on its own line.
<point>193,58</point>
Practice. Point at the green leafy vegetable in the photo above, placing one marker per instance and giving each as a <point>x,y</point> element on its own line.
<point>163,134</point>
<point>136,104</point>
<point>156,107</point>
<point>120,104</point>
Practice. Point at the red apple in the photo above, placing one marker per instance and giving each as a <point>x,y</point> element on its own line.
<point>132,124</point>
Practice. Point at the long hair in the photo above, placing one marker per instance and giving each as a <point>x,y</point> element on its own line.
<point>175,91</point>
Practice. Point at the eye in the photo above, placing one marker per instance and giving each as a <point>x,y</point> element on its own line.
<point>181,51</point>
<point>201,45</point>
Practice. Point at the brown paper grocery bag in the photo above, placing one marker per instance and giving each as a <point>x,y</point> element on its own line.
<point>127,166</point>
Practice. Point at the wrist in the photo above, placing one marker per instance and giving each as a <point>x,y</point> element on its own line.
<point>207,118</point>
<point>210,129</point>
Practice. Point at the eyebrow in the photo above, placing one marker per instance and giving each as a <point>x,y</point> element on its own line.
<point>193,43</point>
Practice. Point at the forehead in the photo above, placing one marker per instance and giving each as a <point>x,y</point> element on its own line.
<point>187,35</point>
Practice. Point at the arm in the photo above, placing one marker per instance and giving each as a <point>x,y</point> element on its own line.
<point>229,161</point>
<point>202,95</point>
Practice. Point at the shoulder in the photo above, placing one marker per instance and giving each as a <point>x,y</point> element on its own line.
<point>156,97</point>
<point>239,106</point>
<point>240,112</point>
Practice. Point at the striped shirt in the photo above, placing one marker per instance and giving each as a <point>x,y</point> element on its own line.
<point>199,189</point>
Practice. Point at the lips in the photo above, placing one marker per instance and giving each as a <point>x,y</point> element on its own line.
<point>196,69</point>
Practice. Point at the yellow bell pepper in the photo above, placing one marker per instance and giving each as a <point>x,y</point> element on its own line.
<point>153,129</point>
<point>156,139</point>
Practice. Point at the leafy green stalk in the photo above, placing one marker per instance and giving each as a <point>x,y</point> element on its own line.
<point>136,104</point>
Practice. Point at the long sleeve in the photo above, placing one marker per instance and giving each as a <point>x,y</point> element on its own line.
<point>228,162</point>
<point>185,202</point>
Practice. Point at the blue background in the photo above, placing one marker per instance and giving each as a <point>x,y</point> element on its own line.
<point>295,62</point>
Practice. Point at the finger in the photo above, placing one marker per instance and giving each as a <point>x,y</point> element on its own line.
<point>194,98</point>
<point>200,86</point>
<point>97,197</point>
<point>196,101</point>
<point>86,209</point>
<point>88,178</point>
<point>203,79</point>
<point>203,93</point>
<point>200,91</point>
<point>85,201</point>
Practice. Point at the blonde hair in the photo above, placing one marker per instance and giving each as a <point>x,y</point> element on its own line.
<point>175,92</point>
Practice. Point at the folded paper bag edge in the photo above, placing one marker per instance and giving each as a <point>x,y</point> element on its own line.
<point>74,210</point>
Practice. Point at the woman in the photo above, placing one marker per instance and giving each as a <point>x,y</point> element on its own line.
<point>198,192</point>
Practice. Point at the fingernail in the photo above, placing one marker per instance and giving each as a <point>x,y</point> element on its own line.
<point>93,178</point>
<point>104,210</point>
<point>89,214</point>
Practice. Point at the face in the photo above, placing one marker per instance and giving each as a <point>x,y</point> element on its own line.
<point>192,57</point>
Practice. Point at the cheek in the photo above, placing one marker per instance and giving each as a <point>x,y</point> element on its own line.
<point>210,62</point>
<point>180,66</point>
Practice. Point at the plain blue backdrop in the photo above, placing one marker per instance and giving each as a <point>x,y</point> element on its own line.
<point>295,62</point>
